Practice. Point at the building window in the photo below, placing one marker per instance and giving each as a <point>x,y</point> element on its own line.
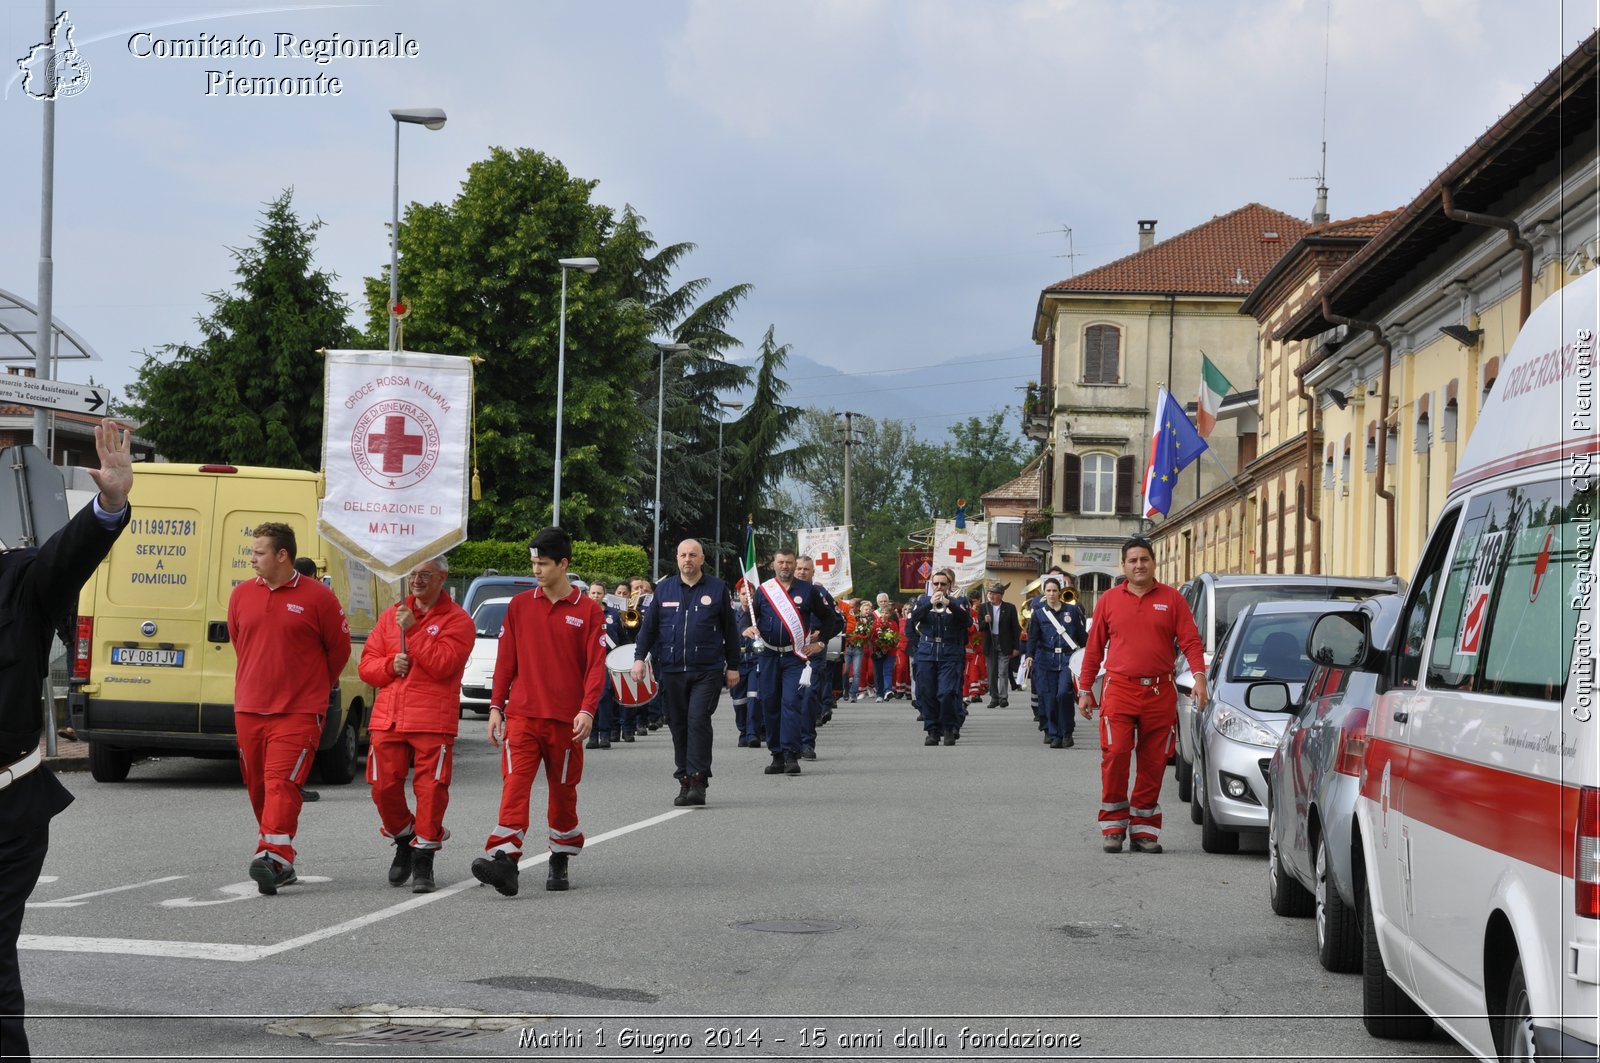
<point>1424,437</point>
<point>1102,350</point>
<point>1099,484</point>
<point>1090,586</point>
<point>1008,536</point>
<point>1447,423</point>
<point>1327,471</point>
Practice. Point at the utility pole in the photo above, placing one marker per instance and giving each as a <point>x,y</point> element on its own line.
<point>848,438</point>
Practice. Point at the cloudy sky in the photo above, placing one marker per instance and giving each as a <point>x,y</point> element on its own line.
<point>893,176</point>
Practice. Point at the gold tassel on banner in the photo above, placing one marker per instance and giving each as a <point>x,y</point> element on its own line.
<point>472,428</point>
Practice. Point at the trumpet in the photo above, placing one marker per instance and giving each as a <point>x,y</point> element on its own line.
<point>631,615</point>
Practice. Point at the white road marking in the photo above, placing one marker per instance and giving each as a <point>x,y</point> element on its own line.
<point>81,898</point>
<point>238,891</point>
<point>48,878</point>
<point>210,950</point>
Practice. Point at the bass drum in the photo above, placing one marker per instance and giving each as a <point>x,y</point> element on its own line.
<point>619,662</point>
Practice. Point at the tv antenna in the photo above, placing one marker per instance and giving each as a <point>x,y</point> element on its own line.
<point>1071,256</point>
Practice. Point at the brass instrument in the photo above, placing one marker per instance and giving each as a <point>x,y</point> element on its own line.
<point>631,616</point>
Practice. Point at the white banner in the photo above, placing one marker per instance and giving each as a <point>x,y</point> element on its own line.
<point>829,548</point>
<point>966,550</point>
<point>396,456</point>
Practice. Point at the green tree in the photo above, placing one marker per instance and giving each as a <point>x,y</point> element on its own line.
<point>481,277</point>
<point>758,455</point>
<point>250,392</point>
<point>981,454</point>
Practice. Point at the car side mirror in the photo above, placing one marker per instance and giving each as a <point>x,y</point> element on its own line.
<point>1267,697</point>
<point>1341,640</point>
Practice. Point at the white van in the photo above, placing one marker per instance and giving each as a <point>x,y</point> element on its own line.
<point>1477,830</point>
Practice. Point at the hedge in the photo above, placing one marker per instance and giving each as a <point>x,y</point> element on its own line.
<point>590,561</point>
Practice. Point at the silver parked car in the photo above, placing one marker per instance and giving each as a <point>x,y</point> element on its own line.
<point>478,679</point>
<point>1314,777</point>
<point>1217,599</point>
<point>1234,742</point>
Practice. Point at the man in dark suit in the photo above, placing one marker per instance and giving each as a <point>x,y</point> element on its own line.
<point>997,619</point>
<point>38,591</point>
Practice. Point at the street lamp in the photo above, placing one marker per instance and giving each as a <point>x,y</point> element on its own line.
<point>588,265</point>
<point>661,406</point>
<point>730,405</point>
<point>432,118</point>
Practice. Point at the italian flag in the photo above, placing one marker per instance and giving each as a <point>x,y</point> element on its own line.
<point>1213,388</point>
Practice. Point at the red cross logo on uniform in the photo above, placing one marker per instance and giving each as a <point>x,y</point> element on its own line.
<point>826,562</point>
<point>960,552</point>
<point>394,443</point>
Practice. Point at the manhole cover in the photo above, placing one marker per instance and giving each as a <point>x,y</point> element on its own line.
<point>402,1035</point>
<point>791,926</point>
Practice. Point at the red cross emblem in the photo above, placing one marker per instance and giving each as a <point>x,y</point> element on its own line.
<point>826,562</point>
<point>960,552</point>
<point>394,443</point>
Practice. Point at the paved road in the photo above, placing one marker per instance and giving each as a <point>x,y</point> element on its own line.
<point>945,888</point>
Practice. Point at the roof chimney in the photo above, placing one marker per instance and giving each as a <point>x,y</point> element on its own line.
<point>1147,233</point>
<point>1319,213</point>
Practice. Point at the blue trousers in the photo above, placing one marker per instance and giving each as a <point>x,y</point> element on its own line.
<point>746,716</point>
<point>939,695</point>
<point>883,674</point>
<point>1057,699</point>
<point>783,701</point>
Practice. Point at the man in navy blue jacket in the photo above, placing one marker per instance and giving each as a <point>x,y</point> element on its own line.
<point>936,636</point>
<point>690,626</point>
<point>792,623</point>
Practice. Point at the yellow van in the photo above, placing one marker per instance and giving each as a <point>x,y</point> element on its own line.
<point>152,667</point>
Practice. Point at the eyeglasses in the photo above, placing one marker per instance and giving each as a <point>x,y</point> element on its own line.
<point>422,577</point>
<point>938,583</point>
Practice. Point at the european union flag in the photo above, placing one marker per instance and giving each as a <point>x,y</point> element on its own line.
<point>1174,445</point>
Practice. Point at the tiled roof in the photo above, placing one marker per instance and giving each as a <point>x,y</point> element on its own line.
<point>1224,256</point>
<point>1025,488</point>
<point>1364,227</point>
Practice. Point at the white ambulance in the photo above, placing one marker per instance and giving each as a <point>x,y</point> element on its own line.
<point>1477,829</point>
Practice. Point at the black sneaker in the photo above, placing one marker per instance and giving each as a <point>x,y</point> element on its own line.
<point>400,869</point>
<point>776,767</point>
<point>270,875</point>
<point>422,871</point>
<point>556,881</point>
<point>500,872</point>
<point>791,765</point>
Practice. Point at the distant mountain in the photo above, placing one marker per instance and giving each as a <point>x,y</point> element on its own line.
<point>932,398</point>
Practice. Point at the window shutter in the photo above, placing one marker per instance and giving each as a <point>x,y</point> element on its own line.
<point>1091,355</point>
<point>1125,482</point>
<point>1071,484</point>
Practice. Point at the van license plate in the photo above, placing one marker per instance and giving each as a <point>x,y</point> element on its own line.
<point>138,655</point>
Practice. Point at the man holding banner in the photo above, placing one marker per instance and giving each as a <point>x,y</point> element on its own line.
<point>792,623</point>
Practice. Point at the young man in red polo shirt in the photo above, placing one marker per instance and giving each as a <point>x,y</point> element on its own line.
<point>1141,622</point>
<point>292,640</point>
<point>548,676</point>
<point>415,656</point>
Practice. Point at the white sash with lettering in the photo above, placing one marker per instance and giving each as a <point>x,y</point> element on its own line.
<point>1048,615</point>
<point>778,598</point>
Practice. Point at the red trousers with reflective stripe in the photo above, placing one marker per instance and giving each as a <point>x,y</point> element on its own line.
<point>1136,721</point>
<point>429,758</point>
<point>275,755</point>
<point>530,742</point>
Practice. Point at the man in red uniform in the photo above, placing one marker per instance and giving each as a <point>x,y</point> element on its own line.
<point>292,640</point>
<point>1141,621</point>
<point>415,656</point>
<point>548,676</point>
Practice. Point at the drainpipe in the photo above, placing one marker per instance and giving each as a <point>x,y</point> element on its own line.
<point>1384,345</point>
<point>1311,468</point>
<point>1513,237</point>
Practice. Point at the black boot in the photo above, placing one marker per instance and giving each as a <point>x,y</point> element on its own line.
<point>697,790</point>
<point>791,765</point>
<point>501,872</point>
<point>683,792</point>
<point>776,767</point>
<point>422,871</point>
<point>931,738</point>
<point>557,879</point>
<point>400,869</point>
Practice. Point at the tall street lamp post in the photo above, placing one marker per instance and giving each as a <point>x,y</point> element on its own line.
<point>588,265</point>
<point>661,396</point>
<point>734,406</point>
<point>431,118</point>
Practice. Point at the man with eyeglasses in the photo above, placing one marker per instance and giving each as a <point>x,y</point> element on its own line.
<point>937,637</point>
<point>792,624</point>
<point>415,657</point>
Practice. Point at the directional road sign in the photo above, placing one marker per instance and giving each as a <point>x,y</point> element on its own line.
<point>53,394</point>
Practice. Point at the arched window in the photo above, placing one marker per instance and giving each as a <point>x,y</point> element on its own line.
<point>1282,544</point>
<point>1102,354</point>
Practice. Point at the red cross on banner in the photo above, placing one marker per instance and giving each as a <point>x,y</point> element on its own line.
<point>826,562</point>
<point>394,443</point>
<point>960,552</point>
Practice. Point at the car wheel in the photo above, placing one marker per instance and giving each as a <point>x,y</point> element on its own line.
<point>1386,1010</point>
<point>108,763</point>
<point>1338,927</point>
<point>1213,838</point>
<point>1288,896</point>
<point>337,764</point>
<point>1184,772</point>
<point>1515,1036</point>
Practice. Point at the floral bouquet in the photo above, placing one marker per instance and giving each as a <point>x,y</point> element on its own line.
<point>885,641</point>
